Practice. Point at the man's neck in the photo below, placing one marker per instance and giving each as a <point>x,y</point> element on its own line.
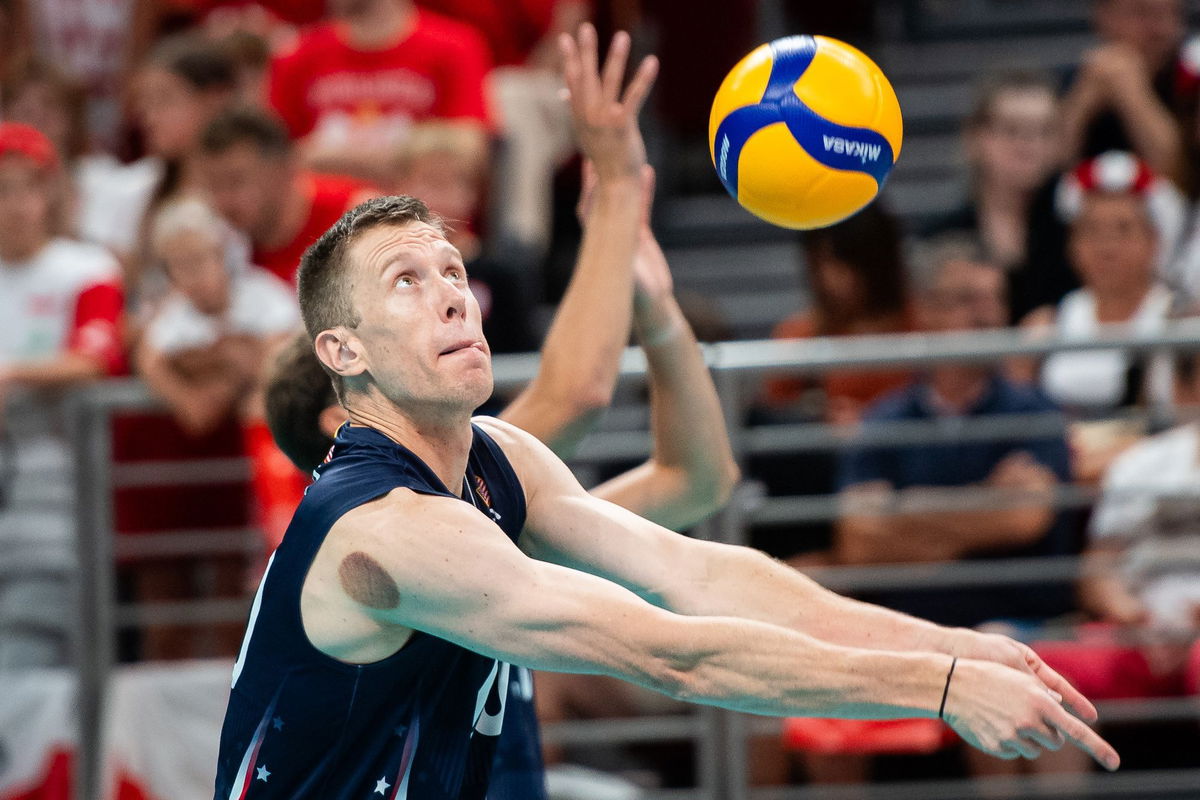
<point>993,198</point>
<point>442,443</point>
<point>384,24</point>
<point>19,257</point>
<point>1120,306</point>
<point>956,390</point>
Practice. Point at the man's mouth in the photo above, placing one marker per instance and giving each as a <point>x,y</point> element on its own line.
<point>462,345</point>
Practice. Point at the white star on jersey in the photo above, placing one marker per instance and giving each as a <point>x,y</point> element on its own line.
<point>381,786</point>
<point>263,774</point>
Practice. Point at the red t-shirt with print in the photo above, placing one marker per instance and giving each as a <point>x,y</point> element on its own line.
<point>329,197</point>
<point>343,96</point>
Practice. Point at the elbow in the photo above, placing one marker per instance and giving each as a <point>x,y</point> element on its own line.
<point>679,677</point>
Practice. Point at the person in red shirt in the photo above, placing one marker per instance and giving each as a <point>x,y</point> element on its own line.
<point>351,88</point>
<point>253,176</point>
<point>519,32</point>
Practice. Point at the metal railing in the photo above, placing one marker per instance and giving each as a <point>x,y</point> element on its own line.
<point>719,736</point>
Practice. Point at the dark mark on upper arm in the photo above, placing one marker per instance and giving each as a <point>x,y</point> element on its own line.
<point>367,583</point>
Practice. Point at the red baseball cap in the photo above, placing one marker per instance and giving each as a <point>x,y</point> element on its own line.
<point>25,140</point>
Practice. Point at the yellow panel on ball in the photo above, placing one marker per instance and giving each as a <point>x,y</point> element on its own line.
<point>781,183</point>
<point>804,131</point>
<point>839,72</point>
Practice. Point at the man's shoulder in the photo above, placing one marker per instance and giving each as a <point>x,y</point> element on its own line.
<point>79,263</point>
<point>902,403</point>
<point>314,41</point>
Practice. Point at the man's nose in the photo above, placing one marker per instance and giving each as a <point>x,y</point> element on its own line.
<point>454,301</point>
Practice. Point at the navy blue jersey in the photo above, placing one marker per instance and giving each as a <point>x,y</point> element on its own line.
<point>422,724</point>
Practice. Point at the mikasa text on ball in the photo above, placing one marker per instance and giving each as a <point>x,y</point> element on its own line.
<point>804,131</point>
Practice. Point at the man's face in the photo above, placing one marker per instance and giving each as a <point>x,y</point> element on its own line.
<point>1152,27</point>
<point>1113,243</point>
<point>246,186</point>
<point>24,207</point>
<point>965,296</point>
<point>419,330</point>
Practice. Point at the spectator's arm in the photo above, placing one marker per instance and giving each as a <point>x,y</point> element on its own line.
<point>1104,592</point>
<point>198,406</point>
<point>692,471</point>
<point>1115,77</point>
<point>913,532</point>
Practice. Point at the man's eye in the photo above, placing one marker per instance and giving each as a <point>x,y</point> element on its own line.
<point>404,280</point>
<point>456,274</point>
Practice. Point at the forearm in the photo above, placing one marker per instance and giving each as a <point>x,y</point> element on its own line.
<point>1153,130</point>
<point>692,471</point>
<point>741,582</point>
<point>582,352</point>
<point>198,406</point>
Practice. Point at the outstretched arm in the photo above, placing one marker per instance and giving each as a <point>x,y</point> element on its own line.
<point>691,472</point>
<point>700,578</point>
<point>456,576</point>
<point>581,355</point>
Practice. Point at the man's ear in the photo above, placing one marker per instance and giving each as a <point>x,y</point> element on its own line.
<point>340,352</point>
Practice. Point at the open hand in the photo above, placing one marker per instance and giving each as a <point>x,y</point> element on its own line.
<point>605,118</point>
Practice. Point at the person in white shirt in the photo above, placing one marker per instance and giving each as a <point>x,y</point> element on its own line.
<point>61,303</point>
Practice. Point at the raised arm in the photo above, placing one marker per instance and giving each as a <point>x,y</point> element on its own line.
<point>691,472</point>
<point>456,576</point>
<point>581,354</point>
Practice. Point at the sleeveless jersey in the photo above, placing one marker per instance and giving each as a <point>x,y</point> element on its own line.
<point>422,724</point>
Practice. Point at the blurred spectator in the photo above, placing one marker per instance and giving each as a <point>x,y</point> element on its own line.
<point>352,88</point>
<point>894,499</point>
<point>1133,90</point>
<point>14,36</point>
<point>446,166</point>
<point>184,83</point>
<point>1143,577</point>
<point>253,176</point>
<point>532,118</point>
<point>104,198</point>
<point>1011,143</point>
<point>62,300</point>
<point>202,354</point>
<point>203,350</point>
<point>87,39</point>
<point>855,273</point>
<point>1113,246</point>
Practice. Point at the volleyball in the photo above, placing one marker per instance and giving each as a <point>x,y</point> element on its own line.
<point>804,131</point>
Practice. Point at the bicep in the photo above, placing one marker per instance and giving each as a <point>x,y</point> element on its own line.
<point>458,577</point>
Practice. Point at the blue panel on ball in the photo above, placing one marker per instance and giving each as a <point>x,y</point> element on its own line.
<point>835,146</point>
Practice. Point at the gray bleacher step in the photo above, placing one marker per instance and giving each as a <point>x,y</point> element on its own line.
<point>915,62</point>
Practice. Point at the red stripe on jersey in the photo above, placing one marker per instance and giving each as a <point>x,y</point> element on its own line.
<point>94,329</point>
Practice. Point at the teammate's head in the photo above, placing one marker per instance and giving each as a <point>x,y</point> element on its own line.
<point>1012,130</point>
<point>446,165</point>
<point>195,248</point>
<point>28,190</point>
<point>384,297</point>
<point>248,166</point>
<point>1152,27</point>
<point>302,410</point>
<point>957,288</point>
<point>184,83</point>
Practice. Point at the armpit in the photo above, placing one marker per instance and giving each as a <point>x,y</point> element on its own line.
<point>367,583</point>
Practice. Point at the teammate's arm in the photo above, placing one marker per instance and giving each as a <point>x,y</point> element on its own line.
<point>435,565</point>
<point>691,472</point>
<point>694,577</point>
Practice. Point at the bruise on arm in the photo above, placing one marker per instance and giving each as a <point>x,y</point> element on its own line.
<point>367,583</point>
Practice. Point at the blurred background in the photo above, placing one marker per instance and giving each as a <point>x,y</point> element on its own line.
<point>1016,312</point>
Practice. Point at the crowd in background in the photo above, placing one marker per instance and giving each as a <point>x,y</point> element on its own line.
<point>164,164</point>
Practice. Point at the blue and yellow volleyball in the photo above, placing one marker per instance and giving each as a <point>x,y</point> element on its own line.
<point>804,131</point>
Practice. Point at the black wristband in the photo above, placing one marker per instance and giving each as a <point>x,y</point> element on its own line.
<point>946,690</point>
